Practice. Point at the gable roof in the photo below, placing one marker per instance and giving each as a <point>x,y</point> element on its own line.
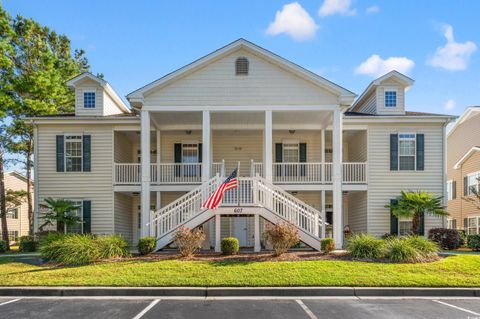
<point>346,96</point>
<point>18,175</point>
<point>469,112</point>
<point>466,157</point>
<point>402,78</point>
<point>110,91</point>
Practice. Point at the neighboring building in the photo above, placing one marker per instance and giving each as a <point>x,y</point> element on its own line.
<point>305,151</point>
<point>463,171</point>
<point>17,216</point>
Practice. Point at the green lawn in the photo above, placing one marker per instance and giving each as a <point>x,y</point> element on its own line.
<point>455,271</point>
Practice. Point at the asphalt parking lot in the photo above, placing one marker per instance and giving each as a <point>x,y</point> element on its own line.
<point>238,308</point>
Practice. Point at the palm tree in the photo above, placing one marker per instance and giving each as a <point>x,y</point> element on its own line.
<point>60,211</point>
<point>412,204</point>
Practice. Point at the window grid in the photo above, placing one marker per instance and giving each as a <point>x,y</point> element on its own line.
<point>12,235</point>
<point>473,183</point>
<point>449,190</point>
<point>78,227</point>
<point>291,153</point>
<point>73,153</point>
<point>407,151</point>
<point>89,100</point>
<point>390,98</point>
<point>404,227</point>
<point>451,223</point>
<point>189,156</point>
<point>13,213</point>
<point>472,225</point>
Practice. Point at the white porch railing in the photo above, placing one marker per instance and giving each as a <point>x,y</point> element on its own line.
<point>299,173</point>
<point>251,191</point>
<point>164,173</point>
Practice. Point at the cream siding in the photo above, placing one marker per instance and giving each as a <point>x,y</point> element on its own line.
<point>384,184</point>
<point>88,85</point>
<point>95,185</point>
<point>370,105</point>
<point>380,92</point>
<point>123,149</point>
<point>109,106</point>
<point>20,224</point>
<point>217,84</point>
<point>357,147</point>
<point>357,211</point>
<point>123,216</point>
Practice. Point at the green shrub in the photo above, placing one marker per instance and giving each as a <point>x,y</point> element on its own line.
<point>473,242</point>
<point>327,245</point>
<point>112,246</point>
<point>365,246</point>
<point>27,244</point>
<point>49,237</point>
<point>401,251</point>
<point>3,246</point>
<point>230,246</point>
<point>146,245</point>
<point>72,250</point>
<point>426,248</point>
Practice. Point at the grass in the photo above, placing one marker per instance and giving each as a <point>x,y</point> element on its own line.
<point>454,271</point>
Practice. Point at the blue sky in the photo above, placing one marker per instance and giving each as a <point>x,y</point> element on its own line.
<point>349,42</point>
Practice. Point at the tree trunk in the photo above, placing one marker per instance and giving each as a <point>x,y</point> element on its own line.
<point>3,203</point>
<point>415,223</point>
<point>29,186</point>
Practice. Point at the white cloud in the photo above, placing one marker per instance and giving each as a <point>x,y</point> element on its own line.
<point>449,105</point>
<point>330,7</point>
<point>376,66</point>
<point>294,21</point>
<point>373,9</point>
<point>454,56</point>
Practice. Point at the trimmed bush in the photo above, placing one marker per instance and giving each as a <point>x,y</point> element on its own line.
<point>72,250</point>
<point>112,246</point>
<point>146,245</point>
<point>365,246</point>
<point>463,237</point>
<point>282,237</point>
<point>426,248</point>
<point>230,246</point>
<point>327,245</point>
<point>3,246</point>
<point>188,241</point>
<point>446,238</point>
<point>27,244</point>
<point>400,251</point>
<point>473,242</point>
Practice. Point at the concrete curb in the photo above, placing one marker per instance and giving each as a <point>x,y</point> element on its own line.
<point>237,292</point>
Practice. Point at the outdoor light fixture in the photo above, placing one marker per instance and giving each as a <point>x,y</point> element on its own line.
<point>188,132</point>
<point>291,131</point>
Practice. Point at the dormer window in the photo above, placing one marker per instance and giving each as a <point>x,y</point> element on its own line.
<point>390,98</point>
<point>89,100</point>
<point>241,66</point>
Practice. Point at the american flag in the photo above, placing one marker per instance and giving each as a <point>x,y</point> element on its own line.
<point>216,198</point>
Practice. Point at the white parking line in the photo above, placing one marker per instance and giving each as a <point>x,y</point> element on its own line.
<point>306,309</point>
<point>7,302</point>
<point>144,311</point>
<point>456,307</point>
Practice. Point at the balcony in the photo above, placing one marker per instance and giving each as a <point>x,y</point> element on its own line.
<point>313,173</point>
<point>164,173</point>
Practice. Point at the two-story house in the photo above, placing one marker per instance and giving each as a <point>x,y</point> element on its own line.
<point>17,213</point>
<point>307,151</point>
<point>464,171</point>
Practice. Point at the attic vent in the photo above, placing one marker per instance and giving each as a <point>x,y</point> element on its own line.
<point>241,66</point>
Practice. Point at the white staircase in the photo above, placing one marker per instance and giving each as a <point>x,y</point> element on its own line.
<point>273,203</point>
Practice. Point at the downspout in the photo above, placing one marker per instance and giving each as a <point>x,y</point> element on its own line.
<point>444,169</point>
<point>36,195</point>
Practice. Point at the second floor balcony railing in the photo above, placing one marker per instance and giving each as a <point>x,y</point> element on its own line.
<point>308,173</point>
<point>163,173</point>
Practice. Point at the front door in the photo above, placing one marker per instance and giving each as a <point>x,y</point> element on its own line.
<point>240,230</point>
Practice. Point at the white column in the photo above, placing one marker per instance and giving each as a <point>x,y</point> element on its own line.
<point>267,146</point>
<point>158,148</point>
<point>145,168</point>
<point>337,179</point>
<point>218,224</point>
<point>257,246</point>
<point>206,146</point>
<point>36,194</point>
<point>322,160</point>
